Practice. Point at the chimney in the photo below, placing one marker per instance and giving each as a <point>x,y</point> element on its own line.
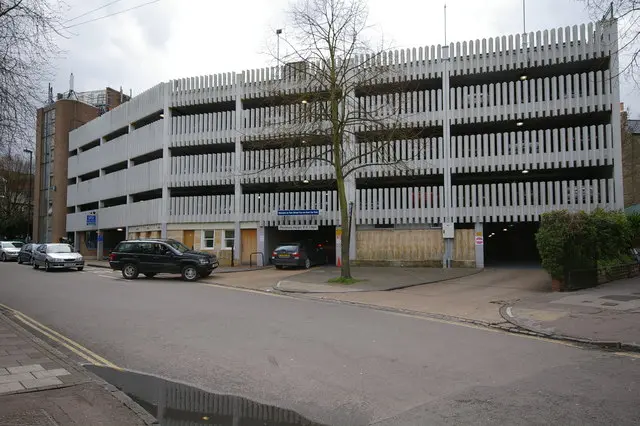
<point>121,94</point>
<point>71,83</point>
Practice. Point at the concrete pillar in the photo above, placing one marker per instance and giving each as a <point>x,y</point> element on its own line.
<point>446,129</point>
<point>238,199</point>
<point>262,246</point>
<point>99,245</point>
<point>166,160</point>
<point>615,118</point>
<point>479,237</point>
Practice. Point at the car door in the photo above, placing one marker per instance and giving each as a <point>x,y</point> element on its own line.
<point>39,255</point>
<point>166,260</point>
<point>147,251</point>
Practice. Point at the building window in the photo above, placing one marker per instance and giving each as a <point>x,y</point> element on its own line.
<point>229,236</point>
<point>208,239</point>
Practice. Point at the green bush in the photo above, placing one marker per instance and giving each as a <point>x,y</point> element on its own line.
<point>571,241</point>
<point>634,223</point>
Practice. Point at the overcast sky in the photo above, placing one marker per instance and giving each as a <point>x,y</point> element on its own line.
<point>181,38</point>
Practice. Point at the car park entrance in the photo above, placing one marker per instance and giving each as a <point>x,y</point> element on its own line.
<point>319,235</point>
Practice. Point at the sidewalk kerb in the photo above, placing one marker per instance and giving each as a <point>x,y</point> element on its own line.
<point>63,359</point>
<point>604,344</point>
<point>361,290</point>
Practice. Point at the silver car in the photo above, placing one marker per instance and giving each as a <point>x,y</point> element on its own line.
<point>9,250</point>
<point>57,256</point>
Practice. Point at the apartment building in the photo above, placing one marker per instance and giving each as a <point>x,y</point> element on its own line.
<point>510,127</point>
<point>53,124</point>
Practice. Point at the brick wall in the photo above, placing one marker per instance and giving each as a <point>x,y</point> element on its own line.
<point>630,164</point>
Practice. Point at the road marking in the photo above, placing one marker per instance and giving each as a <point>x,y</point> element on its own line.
<point>248,290</point>
<point>509,312</point>
<point>72,345</point>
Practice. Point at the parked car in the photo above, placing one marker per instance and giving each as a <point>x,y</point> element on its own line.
<point>299,254</point>
<point>156,256</point>
<point>26,253</point>
<point>57,256</point>
<point>9,250</point>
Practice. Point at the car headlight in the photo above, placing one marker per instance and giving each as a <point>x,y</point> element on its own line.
<point>80,258</point>
<point>204,261</point>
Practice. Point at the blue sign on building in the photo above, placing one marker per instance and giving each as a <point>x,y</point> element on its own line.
<point>298,212</point>
<point>92,220</point>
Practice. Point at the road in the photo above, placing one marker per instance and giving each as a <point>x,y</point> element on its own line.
<point>335,363</point>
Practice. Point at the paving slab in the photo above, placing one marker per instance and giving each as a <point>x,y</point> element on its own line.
<point>609,313</point>
<point>369,278</point>
<point>56,391</point>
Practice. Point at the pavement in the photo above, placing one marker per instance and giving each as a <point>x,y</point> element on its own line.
<point>369,279</point>
<point>608,315</point>
<point>39,385</point>
<point>474,298</point>
<point>334,363</point>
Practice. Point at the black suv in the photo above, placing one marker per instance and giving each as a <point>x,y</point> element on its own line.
<point>151,257</point>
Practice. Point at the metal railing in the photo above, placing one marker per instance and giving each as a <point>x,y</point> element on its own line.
<point>256,253</point>
<point>579,279</point>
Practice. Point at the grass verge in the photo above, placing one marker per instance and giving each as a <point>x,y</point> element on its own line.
<point>346,281</point>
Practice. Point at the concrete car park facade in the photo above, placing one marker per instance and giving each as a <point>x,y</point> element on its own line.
<point>514,126</point>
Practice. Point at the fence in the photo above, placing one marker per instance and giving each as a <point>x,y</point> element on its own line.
<point>579,279</point>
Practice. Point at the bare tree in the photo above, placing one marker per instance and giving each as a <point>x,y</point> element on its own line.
<point>14,195</point>
<point>627,13</point>
<point>339,100</point>
<point>27,46</point>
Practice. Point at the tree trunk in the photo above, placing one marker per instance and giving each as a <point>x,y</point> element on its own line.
<point>345,268</point>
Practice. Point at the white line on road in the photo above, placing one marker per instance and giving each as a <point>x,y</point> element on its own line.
<point>509,312</point>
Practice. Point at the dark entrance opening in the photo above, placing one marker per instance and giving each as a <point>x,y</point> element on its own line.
<point>511,244</point>
<point>111,238</point>
<point>325,235</point>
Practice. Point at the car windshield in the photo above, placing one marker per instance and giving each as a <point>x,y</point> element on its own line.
<point>178,246</point>
<point>288,248</point>
<point>59,248</point>
<point>12,245</point>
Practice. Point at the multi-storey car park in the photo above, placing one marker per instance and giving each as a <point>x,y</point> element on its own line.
<point>532,124</point>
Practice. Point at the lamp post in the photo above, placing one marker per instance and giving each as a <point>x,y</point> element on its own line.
<point>30,152</point>
<point>278,32</point>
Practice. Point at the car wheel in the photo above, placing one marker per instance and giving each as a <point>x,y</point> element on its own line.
<point>307,263</point>
<point>189,273</point>
<point>279,266</point>
<point>3,257</point>
<point>150,274</point>
<point>130,271</point>
<point>35,265</point>
<point>80,268</point>
<point>46,266</point>
<point>205,274</point>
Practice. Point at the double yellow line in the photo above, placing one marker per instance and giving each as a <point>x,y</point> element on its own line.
<point>73,346</point>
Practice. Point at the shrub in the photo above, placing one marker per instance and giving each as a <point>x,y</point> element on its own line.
<point>573,241</point>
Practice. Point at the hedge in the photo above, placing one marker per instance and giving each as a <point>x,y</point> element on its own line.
<point>570,241</point>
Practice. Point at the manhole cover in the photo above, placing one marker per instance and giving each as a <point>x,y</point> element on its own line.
<point>621,298</point>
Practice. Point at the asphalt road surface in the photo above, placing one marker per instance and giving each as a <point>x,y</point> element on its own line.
<point>338,364</point>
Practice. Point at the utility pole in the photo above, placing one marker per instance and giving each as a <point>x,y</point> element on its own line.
<point>29,227</point>
<point>278,32</point>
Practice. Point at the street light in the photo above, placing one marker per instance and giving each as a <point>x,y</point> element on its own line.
<point>30,152</point>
